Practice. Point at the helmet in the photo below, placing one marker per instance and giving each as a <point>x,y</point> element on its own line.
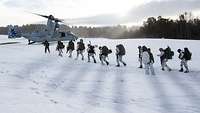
<point>81,40</point>
<point>179,50</point>
<point>160,49</point>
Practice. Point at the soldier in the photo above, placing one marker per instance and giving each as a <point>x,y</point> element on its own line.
<point>59,48</point>
<point>184,56</point>
<point>120,52</point>
<point>150,63</point>
<point>140,56</point>
<point>104,52</point>
<point>163,59</point>
<point>70,48</point>
<point>46,45</point>
<point>80,49</point>
<point>91,52</point>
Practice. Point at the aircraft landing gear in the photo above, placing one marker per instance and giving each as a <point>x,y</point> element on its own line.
<point>29,42</point>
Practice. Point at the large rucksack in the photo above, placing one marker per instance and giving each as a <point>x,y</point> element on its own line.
<point>81,46</point>
<point>91,49</point>
<point>62,46</point>
<point>70,46</point>
<point>151,57</point>
<point>106,51</point>
<point>122,50</point>
<point>187,55</point>
<point>168,53</point>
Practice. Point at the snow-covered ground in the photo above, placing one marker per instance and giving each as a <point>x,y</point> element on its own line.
<point>34,82</point>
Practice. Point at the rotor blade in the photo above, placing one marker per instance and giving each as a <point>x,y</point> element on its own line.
<point>41,15</point>
<point>55,19</point>
<point>58,20</point>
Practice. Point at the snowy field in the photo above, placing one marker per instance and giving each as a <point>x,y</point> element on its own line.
<point>34,82</point>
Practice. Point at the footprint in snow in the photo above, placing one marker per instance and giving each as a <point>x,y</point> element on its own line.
<point>37,92</point>
<point>35,82</point>
<point>53,101</point>
<point>33,88</point>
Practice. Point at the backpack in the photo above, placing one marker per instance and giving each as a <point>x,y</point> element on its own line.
<point>91,49</point>
<point>151,58</point>
<point>81,46</point>
<point>168,53</point>
<point>70,46</point>
<point>188,55</point>
<point>121,49</point>
<point>62,46</point>
<point>105,50</point>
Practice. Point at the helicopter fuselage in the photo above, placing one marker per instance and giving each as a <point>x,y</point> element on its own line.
<point>56,36</point>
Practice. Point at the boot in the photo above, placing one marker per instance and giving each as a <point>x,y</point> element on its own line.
<point>124,64</point>
<point>140,66</point>
<point>186,72</point>
<point>118,65</point>
<point>181,70</point>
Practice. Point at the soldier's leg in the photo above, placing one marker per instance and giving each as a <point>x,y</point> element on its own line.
<point>94,58</point>
<point>152,69</point>
<point>48,49</point>
<point>165,64</point>
<point>140,60</point>
<point>162,64</point>
<point>117,59</point>
<point>146,69</point>
<point>102,59</point>
<point>81,52</point>
<point>70,53</point>
<point>120,59</point>
<point>186,66</point>
<point>59,52</point>
<point>45,50</point>
<point>181,65</point>
<point>89,57</point>
<point>106,60</point>
<point>78,52</point>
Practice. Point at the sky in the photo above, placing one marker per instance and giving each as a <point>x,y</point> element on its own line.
<point>94,12</point>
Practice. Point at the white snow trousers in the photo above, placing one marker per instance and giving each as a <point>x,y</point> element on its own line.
<point>149,67</point>
<point>164,64</point>
<point>80,52</point>
<point>184,63</point>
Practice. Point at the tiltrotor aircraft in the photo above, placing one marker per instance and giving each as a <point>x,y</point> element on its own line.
<point>50,33</point>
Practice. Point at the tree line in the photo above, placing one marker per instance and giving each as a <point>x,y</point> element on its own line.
<point>185,27</point>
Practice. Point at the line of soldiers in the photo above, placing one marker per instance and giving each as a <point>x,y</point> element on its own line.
<point>145,55</point>
<point>80,49</point>
<point>146,58</point>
